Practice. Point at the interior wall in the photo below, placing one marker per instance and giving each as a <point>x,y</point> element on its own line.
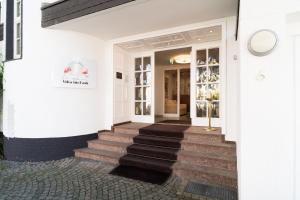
<point>33,107</point>
<point>122,105</point>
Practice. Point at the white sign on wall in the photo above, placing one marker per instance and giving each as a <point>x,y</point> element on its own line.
<point>75,74</point>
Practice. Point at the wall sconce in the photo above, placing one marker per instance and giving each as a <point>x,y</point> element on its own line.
<point>262,42</point>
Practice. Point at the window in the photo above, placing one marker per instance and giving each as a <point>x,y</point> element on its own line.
<point>17,29</point>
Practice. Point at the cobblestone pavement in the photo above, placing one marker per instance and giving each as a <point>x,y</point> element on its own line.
<point>76,179</point>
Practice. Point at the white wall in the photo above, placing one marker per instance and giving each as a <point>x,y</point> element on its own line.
<point>33,108</point>
<point>266,141</point>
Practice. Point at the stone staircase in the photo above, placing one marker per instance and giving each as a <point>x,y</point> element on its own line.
<point>189,152</point>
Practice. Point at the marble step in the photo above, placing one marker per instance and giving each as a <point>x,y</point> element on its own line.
<point>100,155</point>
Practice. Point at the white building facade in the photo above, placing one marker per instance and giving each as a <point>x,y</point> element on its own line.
<point>68,78</point>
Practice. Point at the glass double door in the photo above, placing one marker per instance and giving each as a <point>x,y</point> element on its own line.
<point>176,92</point>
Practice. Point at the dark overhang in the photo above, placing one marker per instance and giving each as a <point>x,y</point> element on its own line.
<point>64,10</point>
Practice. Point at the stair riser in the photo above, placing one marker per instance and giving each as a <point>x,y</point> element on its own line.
<point>97,157</point>
<point>208,162</point>
<point>105,147</point>
<point>145,166</point>
<point>204,138</point>
<point>226,151</point>
<point>116,138</point>
<point>205,178</point>
<point>157,143</point>
<point>126,130</point>
<point>161,155</point>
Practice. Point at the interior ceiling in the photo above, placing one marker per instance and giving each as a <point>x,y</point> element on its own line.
<point>162,58</point>
<point>143,16</point>
<point>173,40</point>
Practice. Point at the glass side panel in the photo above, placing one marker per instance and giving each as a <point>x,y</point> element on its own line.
<point>146,78</point>
<point>138,64</point>
<point>213,56</point>
<point>146,108</point>
<point>214,73</point>
<point>201,108</point>
<point>201,57</point>
<point>138,93</point>
<point>138,78</point>
<point>171,91</point>
<point>201,74</point>
<point>147,63</point>
<point>138,108</point>
<point>215,110</point>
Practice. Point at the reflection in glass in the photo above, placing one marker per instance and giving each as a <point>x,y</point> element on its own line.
<point>147,63</point>
<point>138,78</point>
<point>147,78</point>
<point>171,91</point>
<point>214,74</point>
<point>147,93</point>
<point>201,74</point>
<point>215,91</point>
<point>138,64</point>
<point>213,56</point>
<point>138,108</point>
<point>201,108</point>
<point>201,57</point>
<point>146,108</point>
<point>201,92</point>
<point>138,93</point>
<point>215,110</point>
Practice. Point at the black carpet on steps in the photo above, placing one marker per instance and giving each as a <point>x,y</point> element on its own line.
<point>187,122</point>
<point>156,171</point>
<point>140,174</point>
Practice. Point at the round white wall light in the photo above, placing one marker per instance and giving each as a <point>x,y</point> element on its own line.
<point>262,42</point>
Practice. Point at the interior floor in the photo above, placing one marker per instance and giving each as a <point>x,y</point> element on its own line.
<point>185,119</point>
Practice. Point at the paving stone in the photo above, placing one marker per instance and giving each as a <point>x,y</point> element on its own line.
<point>73,178</point>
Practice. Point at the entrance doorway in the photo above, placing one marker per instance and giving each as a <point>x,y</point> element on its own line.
<point>172,86</point>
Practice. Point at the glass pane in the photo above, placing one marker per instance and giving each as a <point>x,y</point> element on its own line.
<point>201,108</point>
<point>18,30</point>
<point>138,108</point>
<point>146,108</point>
<point>213,56</point>
<point>138,64</point>
<point>18,46</point>
<point>201,75</point>
<point>215,113</point>
<point>18,9</point>
<point>138,93</point>
<point>147,78</point>
<point>201,57</point>
<point>201,92</point>
<point>171,91</point>
<point>138,78</point>
<point>147,63</point>
<point>215,91</point>
<point>147,93</point>
<point>214,74</point>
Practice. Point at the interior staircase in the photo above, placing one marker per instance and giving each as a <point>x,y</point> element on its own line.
<point>190,152</point>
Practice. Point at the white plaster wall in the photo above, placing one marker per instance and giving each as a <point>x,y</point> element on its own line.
<point>266,140</point>
<point>33,108</point>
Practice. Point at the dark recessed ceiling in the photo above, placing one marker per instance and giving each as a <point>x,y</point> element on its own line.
<point>163,57</point>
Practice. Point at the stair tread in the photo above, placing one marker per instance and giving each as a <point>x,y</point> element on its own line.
<point>207,170</point>
<point>111,154</point>
<point>106,142</point>
<point>116,134</point>
<point>207,155</point>
<point>153,148</point>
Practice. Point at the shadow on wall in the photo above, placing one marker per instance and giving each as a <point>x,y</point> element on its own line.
<point>1,146</point>
<point>152,155</point>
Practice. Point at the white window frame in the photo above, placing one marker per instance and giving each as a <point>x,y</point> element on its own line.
<point>17,37</point>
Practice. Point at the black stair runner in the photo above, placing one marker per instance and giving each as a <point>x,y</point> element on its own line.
<point>153,154</point>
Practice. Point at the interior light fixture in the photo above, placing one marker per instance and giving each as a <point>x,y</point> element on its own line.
<point>181,59</point>
<point>211,31</point>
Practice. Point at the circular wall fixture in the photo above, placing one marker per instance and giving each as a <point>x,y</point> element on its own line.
<point>262,42</point>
